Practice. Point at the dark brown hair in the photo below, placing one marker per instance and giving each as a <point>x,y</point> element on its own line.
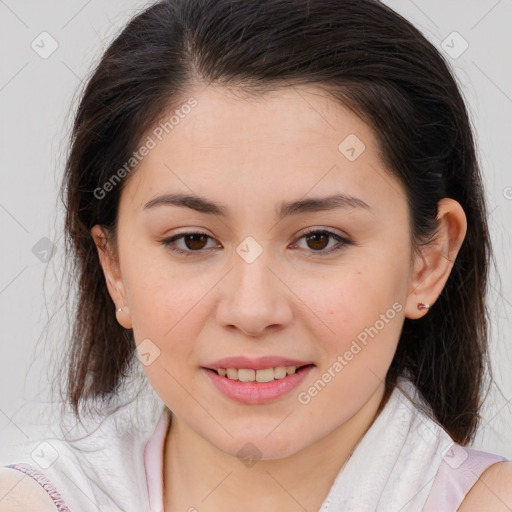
<point>366,56</point>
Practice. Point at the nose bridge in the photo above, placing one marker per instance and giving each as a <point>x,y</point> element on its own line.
<point>255,298</point>
<point>252,270</point>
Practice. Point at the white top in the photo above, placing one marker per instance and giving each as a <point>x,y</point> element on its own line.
<point>405,462</point>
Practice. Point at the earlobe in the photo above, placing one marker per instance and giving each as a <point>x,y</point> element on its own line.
<point>123,317</point>
<point>111,271</point>
<point>434,261</point>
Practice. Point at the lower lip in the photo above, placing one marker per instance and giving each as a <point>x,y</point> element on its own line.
<point>257,392</point>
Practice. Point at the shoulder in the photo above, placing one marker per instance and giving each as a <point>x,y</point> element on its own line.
<point>20,492</point>
<point>492,491</point>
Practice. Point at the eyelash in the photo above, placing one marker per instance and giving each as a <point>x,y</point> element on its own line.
<point>342,241</point>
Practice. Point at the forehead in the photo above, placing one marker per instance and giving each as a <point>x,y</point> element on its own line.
<point>303,117</point>
<point>289,141</point>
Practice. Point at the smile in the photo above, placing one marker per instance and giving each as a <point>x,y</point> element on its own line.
<point>251,386</point>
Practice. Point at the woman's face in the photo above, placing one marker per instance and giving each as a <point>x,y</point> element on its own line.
<point>254,284</point>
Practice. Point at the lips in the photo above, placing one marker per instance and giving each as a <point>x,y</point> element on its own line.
<point>256,380</point>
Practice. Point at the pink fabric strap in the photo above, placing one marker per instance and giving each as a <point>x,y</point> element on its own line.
<point>153,463</point>
<point>458,472</point>
<point>43,481</point>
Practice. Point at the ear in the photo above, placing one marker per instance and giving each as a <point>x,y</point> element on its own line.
<point>110,264</point>
<point>434,261</point>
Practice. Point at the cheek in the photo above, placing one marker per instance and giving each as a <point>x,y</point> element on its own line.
<point>161,305</point>
<point>364,312</point>
<point>165,310</point>
<point>361,305</point>
<point>160,294</point>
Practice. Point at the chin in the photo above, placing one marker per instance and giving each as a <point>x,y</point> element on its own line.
<point>258,445</point>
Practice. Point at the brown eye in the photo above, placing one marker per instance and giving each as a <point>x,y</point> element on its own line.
<point>195,241</point>
<point>318,241</point>
<point>191,243</point>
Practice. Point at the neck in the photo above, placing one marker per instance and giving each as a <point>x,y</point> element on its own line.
<point>200,477</point>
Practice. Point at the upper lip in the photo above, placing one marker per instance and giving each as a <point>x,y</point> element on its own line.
<point>258,363</point>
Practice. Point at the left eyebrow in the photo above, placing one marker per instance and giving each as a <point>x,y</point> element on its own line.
<point>285,209</point>
<point>334,202</point>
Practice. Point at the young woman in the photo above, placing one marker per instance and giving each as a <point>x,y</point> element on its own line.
<point>274,209</point>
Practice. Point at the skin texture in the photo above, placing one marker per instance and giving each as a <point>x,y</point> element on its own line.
<point>493,490</point>
<point>250,155</point>
<point>20,492</point>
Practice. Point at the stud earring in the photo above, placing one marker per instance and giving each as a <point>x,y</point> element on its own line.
<point>423,306</point>
<point>120,310</point>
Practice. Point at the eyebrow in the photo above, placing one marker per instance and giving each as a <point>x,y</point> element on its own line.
<point>285,209</point>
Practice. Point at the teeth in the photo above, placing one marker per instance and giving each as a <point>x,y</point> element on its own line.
<point>249,375</point>
<point>246,375</point>
<point>232,373</point>
<point>279,372</point>
<point>266,375</point>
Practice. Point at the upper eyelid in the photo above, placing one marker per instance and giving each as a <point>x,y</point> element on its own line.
<point>302,233</point>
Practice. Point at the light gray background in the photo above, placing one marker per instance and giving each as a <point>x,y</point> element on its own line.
<point>36,95</point>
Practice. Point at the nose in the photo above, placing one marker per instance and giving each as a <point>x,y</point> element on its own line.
<point>255,298</point>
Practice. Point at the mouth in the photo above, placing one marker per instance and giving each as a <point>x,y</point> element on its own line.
<point>253,386</point>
